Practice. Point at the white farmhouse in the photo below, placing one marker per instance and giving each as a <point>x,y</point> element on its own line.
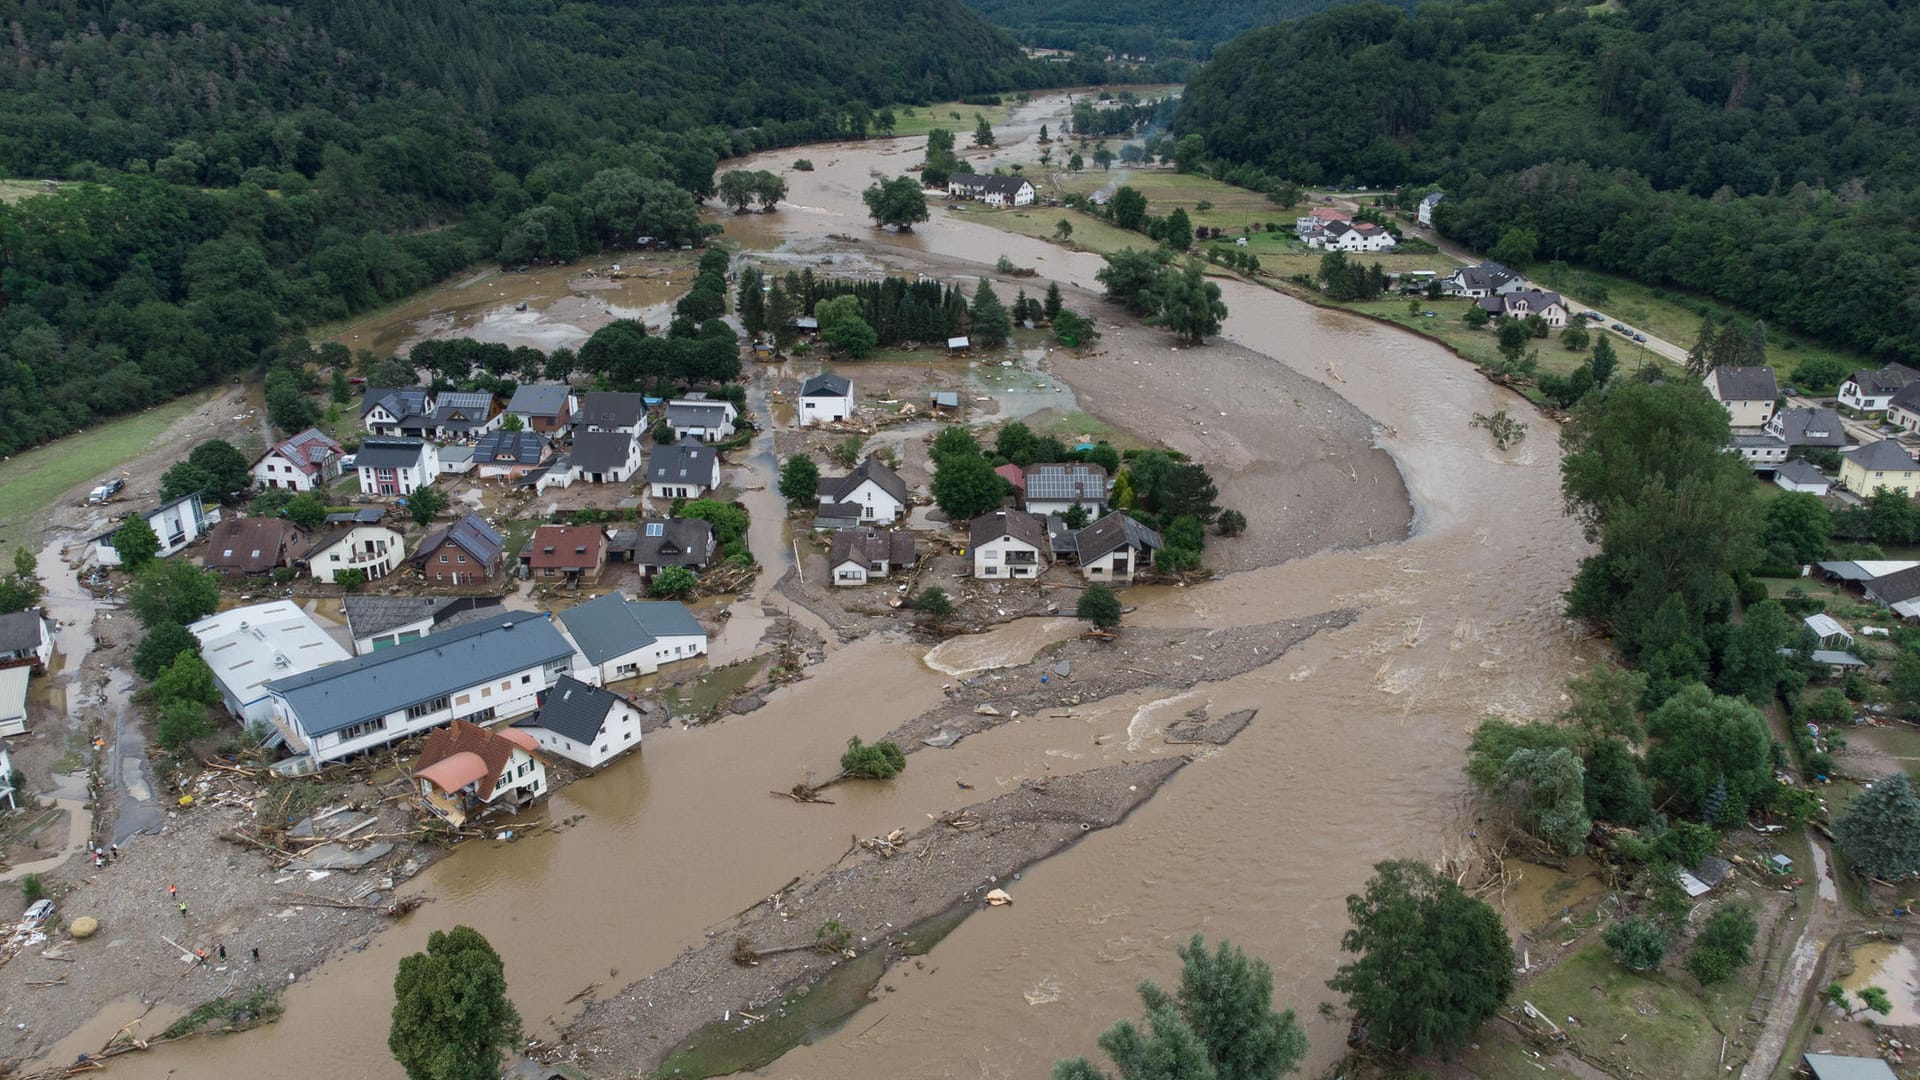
<point>371,548</point>
<point>301,463</point>
<point>875,489</point>
<point>825,399</point>
<point>1008,544</point>
<point>583,723</point>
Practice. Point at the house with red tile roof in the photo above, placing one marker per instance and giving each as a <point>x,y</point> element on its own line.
<point>464,768</point>
<point>571,552</point>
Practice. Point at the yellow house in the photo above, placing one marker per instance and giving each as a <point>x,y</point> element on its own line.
<point>1885,464</point>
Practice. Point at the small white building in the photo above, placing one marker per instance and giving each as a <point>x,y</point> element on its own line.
<point>13,701</point>
<point>875,488</point>
<point>177,524</point>
<point>374,550</point>
<point>395,467</point>
<point>1424,212</point>
<point>705,419</point>
<point>301,463</point>
<point>623,639</point>
<point>825,399</point>
<point>1828,629</point>
<point>605,457</point>
<point>249,647</point>
<point>683,471</point>
<point>456,459</point>
<point>583,723</point>
<point>858,556</point>
<point>25,639</point>
<point>1008,544</point>
<point>1802,476</point>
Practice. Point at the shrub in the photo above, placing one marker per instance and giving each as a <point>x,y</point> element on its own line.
<point>32,889</point>
<point>1636,944</point>
<point>1723,945</point>
<point>673,581</point>
<point>802,165</point>
<point>879,761</point>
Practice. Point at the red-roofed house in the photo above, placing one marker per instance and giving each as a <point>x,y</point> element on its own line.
<point>1016,476</point>
<point>302,463</point>
<point>465,767</point>
<point>573,552</point>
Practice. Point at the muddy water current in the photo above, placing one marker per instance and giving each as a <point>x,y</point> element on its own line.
<point>1354,757</point>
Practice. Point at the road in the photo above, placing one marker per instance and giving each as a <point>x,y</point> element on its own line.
<point>1658,346</point>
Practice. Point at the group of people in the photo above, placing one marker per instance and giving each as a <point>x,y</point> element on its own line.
<point>101,856</point>
<point>200,954</point>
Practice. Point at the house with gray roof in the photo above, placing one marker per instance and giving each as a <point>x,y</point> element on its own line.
<point>701,418</point>
<point>1841,1067</point>
<point>1801,475</point>
<point>1808,425</point>
<point>177,522</point>
<point>611,410</point>
<point>1871,391</point>
<point>465,414</point>
<point>546,408</point>
<point>825,398</point>
<point>1747,393</point>
<point>1521,303</point>
<point>393,467</point>
<point>686,470</point>
<point>1885,464</point>
<point>624,639</point>
<point>1486,279</point>
<point>488,669</point>
<point>1008,544</point>
<point>874,487</point>
<point>397,412</point>
<point>510,454</point>
<point>1056,488</point>
<point>662,542</point>
<point>583,723</point>
<point>858,556</point>
<point>381,622</point>
<point>605,457</point>
<point>467,552</point>
<point>1899,590</point>
<point>1115,548</point>
<point>25,639</point>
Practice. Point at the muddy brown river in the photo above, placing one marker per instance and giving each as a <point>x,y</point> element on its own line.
<point>1355,755</point>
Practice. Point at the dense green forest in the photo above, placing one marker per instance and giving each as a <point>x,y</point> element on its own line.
<point>1759,151</point>
<point>234,171</point>
<point>1154,29</point>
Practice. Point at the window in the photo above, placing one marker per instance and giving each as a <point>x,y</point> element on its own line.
<point>443,559</point>
<point>525,679</point>
<point>482,716</point>
<point>462,558</point>
<point>415,712</point>
<point>365,727</point>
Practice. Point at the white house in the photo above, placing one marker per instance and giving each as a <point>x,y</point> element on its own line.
<point>612,410</point>
<point>583,723</point>
<point>25,639</point>
<point>372,549</point>
<point>605,457</point>
<point>1008,544</point>
<point>1486,279</point>
<point>13,701</point>
<point>1424,212</point>
<point>301,463</point>
<point>6,779</point>
<point>1055,488</point>
<point>397,412</point>
<point>463,769</point>
<point>1349,236</point>
<point>999,191</point>
<point>857,556</point>
<point>1872,391</point>
<point>380,622</point>
<point>706,419</point>
<point>1747,393</point>
<point>249,647</point>
<point>825,398</point>
<point>487,669</point>
<point>393,467</point>
<point>1524,302</point>
<point>1115,548</point>
<point>876,489</point>
<point>623,639</point>
<point>683,471</point>
<point>177,524</point>
<point>1802,476</point>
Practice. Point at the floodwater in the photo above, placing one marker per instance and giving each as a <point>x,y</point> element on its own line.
<point>1892,968</point>
<point>564,305</point>
<point>1355,755</point>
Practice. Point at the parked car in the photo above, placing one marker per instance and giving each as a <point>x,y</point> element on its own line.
<point>40,911</point>
<point>1640,337</point>
<point>1594,315</point>
<point>1618,327</point>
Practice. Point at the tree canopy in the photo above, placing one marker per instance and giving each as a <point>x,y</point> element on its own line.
<point>452,1019</point>
<point>1880,832</point>
<point>898,202</point>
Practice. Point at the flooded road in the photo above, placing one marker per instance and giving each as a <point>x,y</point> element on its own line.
<point>1355,755</point>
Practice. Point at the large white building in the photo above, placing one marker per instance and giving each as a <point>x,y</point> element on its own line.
<point>623,639</point>
<point>249,647</point>
<point>485,670</point>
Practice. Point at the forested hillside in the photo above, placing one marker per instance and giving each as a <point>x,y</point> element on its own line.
<point>1150,28</point>
<point>1760,151</point>
<point>245,168</point>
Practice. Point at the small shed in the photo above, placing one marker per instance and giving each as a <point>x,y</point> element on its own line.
<point>1828,629</point>
<point>958,344</point>
<point>1837,662</point>
<point>1780,864</point>
<point>1841,1067</point>
<point>946,399</point>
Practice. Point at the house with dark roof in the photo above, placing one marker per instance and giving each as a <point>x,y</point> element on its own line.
<point>825,398</point>
<point>510,454</point>
<point>662,542</point>
<point>397,412</point>
<point>1424,212</point>
<point>393,467</point>
<point>464,769</point>
<point>1801,475</point>
<point>992,190</point>
<point>1842,1067</point>
<point>1808,425</point>
<point>1885,464</point>
<point>571,553</point>
<point>255,545</point>
<point>301,463</point>
<point>1871,391</point>
<point>177,522</point>
<point>25,639</point>
<point>546,408</point>
<point>608,410</point>
<point>1524,302</point>
<point>481,671</point>
<point>583,723</point>
<point>1903,408</point>
<point>1899,590</point>
<point>624,639</point>
<point>858,556</point>
<point>467,552</point>
<point>605,457</point>
<point>1055,488</point>
<point>375,550</point>
<point>685,470</point>
<point>1115,548</point>
<point>464,414</point>
<point>1486,279</point>
<point>874,487</point>
<point>701,418</point>
<point>381,622</point>
<point>1747,393</point>
<point>1008,544</point>
<point>1352,236</point>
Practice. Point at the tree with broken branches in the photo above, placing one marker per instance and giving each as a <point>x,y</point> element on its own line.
<point>1506,431</point>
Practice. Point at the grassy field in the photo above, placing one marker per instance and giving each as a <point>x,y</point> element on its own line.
<point>1670,1029</point>
<point>955,116</point>
<point>1481,346</point>
<point>34,479</point>
<point>12,191</point>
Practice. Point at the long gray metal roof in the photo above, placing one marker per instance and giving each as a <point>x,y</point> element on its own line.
<point>390,680</point>
<point>611,626</point>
